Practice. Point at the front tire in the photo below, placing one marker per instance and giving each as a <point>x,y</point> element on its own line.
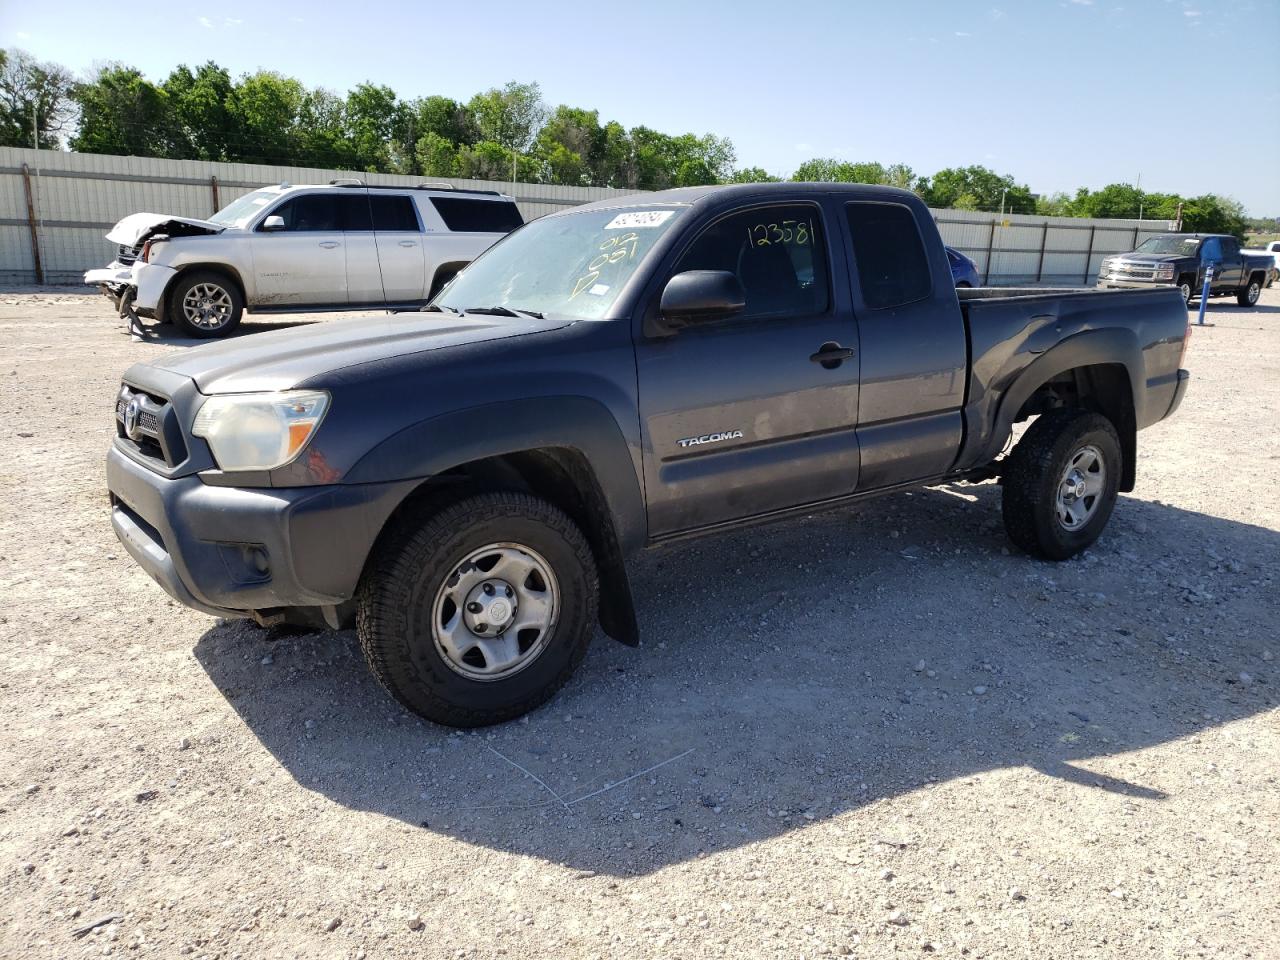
<point>1061,484</point>
<point>480,611</point>
<point>205,304</point>
<point>1247,296</point>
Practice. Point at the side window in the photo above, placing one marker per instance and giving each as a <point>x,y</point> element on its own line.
<point>893,268</point>
<point>391,212</point>
<point>1212,250</point>
<point>1230,248</point>
<point>467,215</point>
<point>778,253</point>
<point>354,208</point>
<point>309,212</point>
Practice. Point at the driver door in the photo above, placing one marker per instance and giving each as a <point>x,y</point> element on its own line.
<point>305,264</point>
<point>739,417</point>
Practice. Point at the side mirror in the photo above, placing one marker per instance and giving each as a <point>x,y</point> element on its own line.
<point>273,222</point>
<point>699,296</point>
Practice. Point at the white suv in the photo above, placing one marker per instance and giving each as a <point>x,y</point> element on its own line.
<point>281,249</point>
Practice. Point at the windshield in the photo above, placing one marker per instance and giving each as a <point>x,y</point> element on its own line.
<point>1182,245</point>
<point>239,212</point>
<point>571,266</point>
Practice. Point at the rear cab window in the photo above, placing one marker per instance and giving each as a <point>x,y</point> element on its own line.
<point>888,251</point>
<point>473,215</point>
<point>778,254</point>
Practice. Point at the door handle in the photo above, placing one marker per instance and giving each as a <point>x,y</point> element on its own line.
<point>831,355</point>
<point>328,244</point>
<point>408,243</point>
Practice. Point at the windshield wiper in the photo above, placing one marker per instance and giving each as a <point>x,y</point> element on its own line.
<point>503,312</point>
<point>436,308</point>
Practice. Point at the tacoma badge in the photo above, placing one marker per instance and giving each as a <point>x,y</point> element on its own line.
<point>711,438</point>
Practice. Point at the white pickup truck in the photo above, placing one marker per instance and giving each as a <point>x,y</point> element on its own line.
<point>289,249</point>
<point>1271,250</point>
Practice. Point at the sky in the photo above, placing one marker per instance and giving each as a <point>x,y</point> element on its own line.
<point>1184,94</point>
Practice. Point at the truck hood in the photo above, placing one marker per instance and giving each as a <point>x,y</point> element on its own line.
<point>281,359</point>
<point>1149,257</point>
<point>136,227</point>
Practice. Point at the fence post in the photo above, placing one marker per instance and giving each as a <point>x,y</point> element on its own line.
<point>1044,242</point>
<point>213,184</point>
<point>1088,257</point>
<point>31,222</point>
<point>991,241</point>
<point>1135,237</point>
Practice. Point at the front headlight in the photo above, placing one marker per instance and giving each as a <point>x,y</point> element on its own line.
<point>1164,271</point>
<point>1104,268</point>
<point>259,431</point>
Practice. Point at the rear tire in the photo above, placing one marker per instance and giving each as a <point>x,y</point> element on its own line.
<point>205,304</point>
<point>1061,483</point>
<point>1247,296</point>
<point>425,608</point>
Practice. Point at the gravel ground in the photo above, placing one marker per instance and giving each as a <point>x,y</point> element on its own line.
<point>879,731</point>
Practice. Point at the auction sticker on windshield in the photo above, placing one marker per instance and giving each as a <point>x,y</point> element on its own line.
<point>639,218</point>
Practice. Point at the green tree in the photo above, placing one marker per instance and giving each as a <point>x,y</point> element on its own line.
<point>374,119</point>
<point>752,175</point>
<point>33,93</point>
<point>204,110</point>
<point>320,137</point>
<point>122,112</point>
<point>830,170</point>
<point>437,157</point>
<point>977,188</point>
<point>269,105</point>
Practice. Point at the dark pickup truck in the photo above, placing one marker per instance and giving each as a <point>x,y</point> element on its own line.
<point>1181,259</point>
<point>464,484</point>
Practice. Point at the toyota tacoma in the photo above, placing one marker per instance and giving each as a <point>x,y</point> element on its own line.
<point>465,484</point>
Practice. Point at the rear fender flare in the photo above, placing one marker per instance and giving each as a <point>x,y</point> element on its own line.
<point>1115,347</point>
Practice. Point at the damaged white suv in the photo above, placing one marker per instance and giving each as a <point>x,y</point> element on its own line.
<point>343,246</point>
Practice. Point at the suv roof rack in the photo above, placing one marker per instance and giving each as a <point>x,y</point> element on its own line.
<point>353,182</point>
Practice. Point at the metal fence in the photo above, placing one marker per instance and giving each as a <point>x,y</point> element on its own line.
<point>1017,249</point>
<point>55,208</point>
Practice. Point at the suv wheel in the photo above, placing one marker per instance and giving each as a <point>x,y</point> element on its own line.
<point>1061,483</point>
<point>480,611</point>
<point>1247,296</point>
<point>206,304</point>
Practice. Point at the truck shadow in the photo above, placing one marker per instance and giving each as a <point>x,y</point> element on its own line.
<point>799,671</point>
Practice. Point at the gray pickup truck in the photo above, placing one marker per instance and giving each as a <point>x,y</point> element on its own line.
<point>464,484</point>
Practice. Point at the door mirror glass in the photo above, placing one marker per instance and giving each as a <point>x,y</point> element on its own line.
<point>699,296</point>
<point>273,222</point>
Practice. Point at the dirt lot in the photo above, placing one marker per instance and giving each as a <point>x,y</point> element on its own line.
<point>873,732</point>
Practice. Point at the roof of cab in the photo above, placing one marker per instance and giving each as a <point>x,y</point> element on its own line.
<point>728,193</point>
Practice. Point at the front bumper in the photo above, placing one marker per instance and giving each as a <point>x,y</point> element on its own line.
<point>148,281</point>
<point>231,551</point>
<point>1114,283</point>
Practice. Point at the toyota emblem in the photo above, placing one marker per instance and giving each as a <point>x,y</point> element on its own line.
<point>131,414</point>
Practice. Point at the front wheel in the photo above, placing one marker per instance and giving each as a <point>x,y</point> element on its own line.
<point>1061,483</point>
<point>481,611</point>
<point>1185,288</point>
<point>1248,295</point>
<point>206,304</point>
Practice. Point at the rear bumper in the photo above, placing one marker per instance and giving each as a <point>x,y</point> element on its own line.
<point>1184,377</point>
<point>228,551</point>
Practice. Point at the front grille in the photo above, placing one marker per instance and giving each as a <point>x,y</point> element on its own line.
<point>1132,271</point>
<point>127,255</point>
<point>146,421</point>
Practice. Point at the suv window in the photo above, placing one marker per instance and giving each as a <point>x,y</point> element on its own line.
<point>467,215</point>
<point>892,266</point>
<point>777,253</point>
<point>392,212</point>
<point>310,212</point>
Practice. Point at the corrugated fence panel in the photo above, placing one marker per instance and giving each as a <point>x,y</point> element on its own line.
<point>79,197</point>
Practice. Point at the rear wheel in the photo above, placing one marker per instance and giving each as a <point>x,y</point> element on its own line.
<point>205,304</point>
<point>1247,296</point>
<point>480,611</point>
<point>1061,483</point>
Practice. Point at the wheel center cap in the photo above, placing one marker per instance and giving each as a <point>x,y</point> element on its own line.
<point>490,608</point>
